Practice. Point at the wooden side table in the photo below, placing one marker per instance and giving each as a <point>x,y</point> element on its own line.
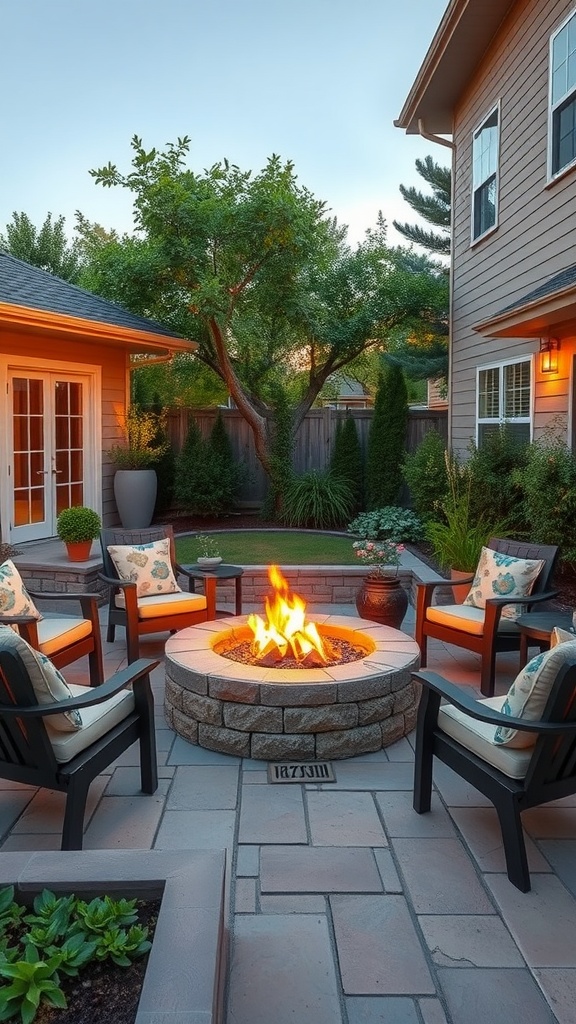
<point>538,626</point>
<point>209,577</point>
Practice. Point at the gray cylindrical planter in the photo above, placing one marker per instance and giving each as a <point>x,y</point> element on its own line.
<point>135,494</point>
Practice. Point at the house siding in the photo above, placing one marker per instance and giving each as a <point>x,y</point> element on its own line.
<point>534,237</point>
<point>113,363</point>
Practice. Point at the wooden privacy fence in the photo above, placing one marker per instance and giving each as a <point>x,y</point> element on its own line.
<point>314,440</point>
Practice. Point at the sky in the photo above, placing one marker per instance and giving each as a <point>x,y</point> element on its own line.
<point>318,82</point>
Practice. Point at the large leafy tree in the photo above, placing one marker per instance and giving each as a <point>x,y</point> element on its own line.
<point>435,208</point>
<point>47,247</point>
<point>251,267</point>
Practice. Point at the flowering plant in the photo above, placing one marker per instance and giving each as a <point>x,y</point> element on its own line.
<point>380,553</point>
<point>208,546</point>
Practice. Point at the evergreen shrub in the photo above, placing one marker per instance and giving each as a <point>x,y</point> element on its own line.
<point>387,439</point>
<point>426,476</point>
<point>347,462</point>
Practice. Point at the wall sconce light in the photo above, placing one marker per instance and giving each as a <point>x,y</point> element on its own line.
<point>549,348</point>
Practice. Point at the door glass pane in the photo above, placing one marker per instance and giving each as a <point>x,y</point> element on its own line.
<point>69,453</point>
<point>28,451</point>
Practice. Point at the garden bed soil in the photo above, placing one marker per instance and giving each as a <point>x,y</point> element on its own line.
<point>104,993</point>
<point>564,578</point>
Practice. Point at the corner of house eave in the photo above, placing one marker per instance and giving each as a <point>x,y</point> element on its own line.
<point>514,324</point>
<point>409,116</point>
<point>46,321</point>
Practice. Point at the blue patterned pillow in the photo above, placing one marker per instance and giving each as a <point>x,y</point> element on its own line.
<point>500,575</point>
<point>528,695</point>
<point>146,565</point>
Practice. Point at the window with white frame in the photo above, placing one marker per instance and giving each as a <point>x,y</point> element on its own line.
<point>563,96</point>
<point>485,175</point>
<point>505,397</point>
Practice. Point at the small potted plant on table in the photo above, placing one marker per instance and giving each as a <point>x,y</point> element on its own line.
<point>209,552</point>
<point>78,526</point>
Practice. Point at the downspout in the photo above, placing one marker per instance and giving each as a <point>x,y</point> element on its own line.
<point>449,145</point>
<point>433,138</point>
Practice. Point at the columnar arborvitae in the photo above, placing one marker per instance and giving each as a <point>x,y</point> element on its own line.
<point>387,439</point>
<point>225,471</point>
<point>347,461</point>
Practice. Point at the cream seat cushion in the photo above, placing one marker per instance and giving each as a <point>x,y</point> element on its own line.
<point>56,633</point>
<point>96,722</point>
<point>502,575</point>
<point>465,617</point>
<point>146,565</point>
<point>165,604</point>
<point>479,738</point>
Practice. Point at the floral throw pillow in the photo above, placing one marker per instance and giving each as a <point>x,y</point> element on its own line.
<point>146,565</point>
<point>47,682</point>
<point>14,598</point>
<point>501,575</point>
<point>528,695</point>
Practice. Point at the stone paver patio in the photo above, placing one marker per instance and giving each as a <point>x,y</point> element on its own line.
<point>345,906</point>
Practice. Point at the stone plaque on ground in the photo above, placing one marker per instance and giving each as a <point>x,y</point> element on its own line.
<point>301,771</point>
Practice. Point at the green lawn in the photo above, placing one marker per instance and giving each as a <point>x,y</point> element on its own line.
<point>262,547</point>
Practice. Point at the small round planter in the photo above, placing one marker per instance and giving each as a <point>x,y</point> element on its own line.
<point>382,599</point>
<point>78,550</point>
<point>208,563</point>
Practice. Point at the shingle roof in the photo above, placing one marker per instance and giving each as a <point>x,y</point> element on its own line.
<point>24,285</point>
<point>564,279</point>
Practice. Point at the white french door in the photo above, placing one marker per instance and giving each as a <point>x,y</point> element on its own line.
<point>49,449</point>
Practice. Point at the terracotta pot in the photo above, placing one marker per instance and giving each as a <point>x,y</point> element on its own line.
<point>463,589</point>
<point>382,599</point>
<point>79,550</point>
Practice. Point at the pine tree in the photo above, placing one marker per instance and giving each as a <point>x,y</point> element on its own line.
<point>436,209</point>
<point>387,439</point>
<point>347,462</point>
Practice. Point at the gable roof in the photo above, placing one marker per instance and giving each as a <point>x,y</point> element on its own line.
<point>460,42</point>
<point>34,297</point>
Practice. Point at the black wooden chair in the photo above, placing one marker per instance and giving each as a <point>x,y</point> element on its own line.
<point>544,772</point>
<point>115,715</point>
<point>144,615</point>
<point>483,631</point>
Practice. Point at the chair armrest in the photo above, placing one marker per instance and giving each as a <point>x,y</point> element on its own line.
<point>425,593</point>
<point>177,569</point>
<point>53,596</point>
<point>17,620</point>
<point>94,694</point>
<point>529,599</point>
<point>464,702</point>
<point>113,581</point>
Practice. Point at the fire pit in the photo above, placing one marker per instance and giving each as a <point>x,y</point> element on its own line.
<point>313,711</point>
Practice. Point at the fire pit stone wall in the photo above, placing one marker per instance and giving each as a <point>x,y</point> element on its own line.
<point>282,714</point>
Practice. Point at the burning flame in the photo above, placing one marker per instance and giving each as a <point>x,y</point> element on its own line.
<point>286,631</point>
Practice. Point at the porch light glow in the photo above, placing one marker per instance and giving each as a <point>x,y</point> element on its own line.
<point>549,348</point>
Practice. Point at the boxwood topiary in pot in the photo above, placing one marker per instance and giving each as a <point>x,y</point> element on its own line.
<point>77,526</point>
